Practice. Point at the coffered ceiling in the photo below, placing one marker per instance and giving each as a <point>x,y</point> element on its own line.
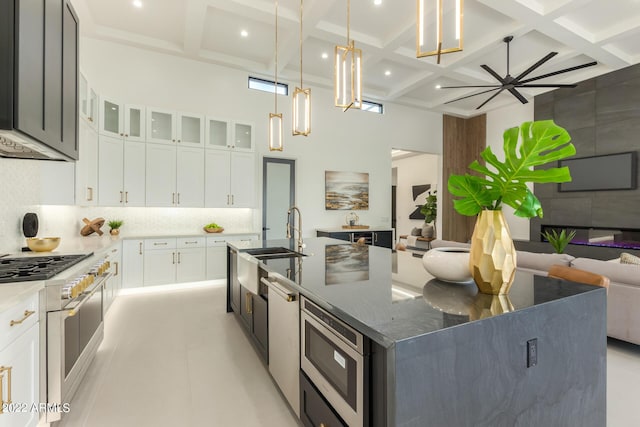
<point>209,30</point>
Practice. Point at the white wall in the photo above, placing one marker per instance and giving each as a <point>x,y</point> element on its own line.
<point>497,122</point>
<point>416,170</point>
<point>353,141</point>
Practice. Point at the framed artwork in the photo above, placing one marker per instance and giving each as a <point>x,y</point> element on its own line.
<point>346,264</point>
<point>346,190</point>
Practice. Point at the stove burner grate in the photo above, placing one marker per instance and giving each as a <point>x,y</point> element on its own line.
<point>27,269</point>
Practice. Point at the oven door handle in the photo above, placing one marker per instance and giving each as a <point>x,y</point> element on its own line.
<point>87,295</point>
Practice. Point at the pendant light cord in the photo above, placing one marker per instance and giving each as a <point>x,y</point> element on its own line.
<point>276,72</point>
<point>301,44</point>
<point>348,19</point>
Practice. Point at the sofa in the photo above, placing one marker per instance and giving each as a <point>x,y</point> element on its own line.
<point>623,298</point>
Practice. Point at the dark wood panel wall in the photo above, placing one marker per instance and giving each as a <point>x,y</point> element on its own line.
<point>602,115</point>
<point>463,141</point>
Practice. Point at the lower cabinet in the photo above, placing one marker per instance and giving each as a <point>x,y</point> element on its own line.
<point>132,263</point>
<point>114,284</point>
<point>20,378</point>
<point>314,410</point>
<point>217,253</point>
<point>382,238</point>
<point>174,260</point>
<point>254,315</point>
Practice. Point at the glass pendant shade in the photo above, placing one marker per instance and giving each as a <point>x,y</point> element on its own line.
<point>302,111</point>
<point>275,132</point>
<point>348,76</point>
<point>439,27</point>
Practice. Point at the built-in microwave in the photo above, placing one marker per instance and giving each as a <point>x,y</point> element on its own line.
<point>333,357</point>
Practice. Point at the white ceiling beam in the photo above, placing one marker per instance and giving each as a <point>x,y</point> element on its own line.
<point>195,17</point>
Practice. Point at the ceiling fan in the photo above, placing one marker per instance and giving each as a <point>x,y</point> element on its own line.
<point>510,83</point>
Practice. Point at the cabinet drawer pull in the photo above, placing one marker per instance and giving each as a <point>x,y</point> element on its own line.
<point>173,256</point>
<point>247,303</point>
<point>121,196</point>
<point>232,202</point>
<point>126,197</point>
<point>191,243</point>
<point>157,244</point>
<point>4,369</point>
<point>27,313</point>
<point>178,198</point>
<point>140,248</point>
<point>173,198</point>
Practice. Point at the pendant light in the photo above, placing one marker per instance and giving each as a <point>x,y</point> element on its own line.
<point>348,72</point>
<point>439,32</point>
<point>301,119</point>
<point>275,119</point>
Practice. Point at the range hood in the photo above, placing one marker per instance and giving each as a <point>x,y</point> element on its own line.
<point>38,80</point>
<point>17,146</point>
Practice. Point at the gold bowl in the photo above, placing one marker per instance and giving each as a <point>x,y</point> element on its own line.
<point>43,244</point>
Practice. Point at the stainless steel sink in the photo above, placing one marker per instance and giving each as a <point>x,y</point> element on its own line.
<point>280,252</point>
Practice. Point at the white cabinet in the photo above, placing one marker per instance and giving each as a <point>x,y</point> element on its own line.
<point>132,263</point>
<point>174,176</point>
<point>121,172</point>
<point>171,127</point>
<point>174,260</point>
<point>228,135</point>
<point>88,101</point>
<point>87,166</point>
<point>217,254</point>
<point>190,177</point>
<point>20,363</point>
<point>122,121</point>
<point>113,285</point>
<point>229,179</point>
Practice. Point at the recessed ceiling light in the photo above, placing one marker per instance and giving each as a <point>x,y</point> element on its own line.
<point>387,73</point>
<point>244,33</point>
<point>438,87</point>
<point>325,55</point>
<point>137,3</point>
<point>377,2</point>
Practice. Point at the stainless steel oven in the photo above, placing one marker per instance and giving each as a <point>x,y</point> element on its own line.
<point>74,328</point>
<point>333,357</point>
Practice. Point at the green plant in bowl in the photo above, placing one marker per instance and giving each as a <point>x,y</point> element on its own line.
<point>115,224</point>
<point>560,240</point>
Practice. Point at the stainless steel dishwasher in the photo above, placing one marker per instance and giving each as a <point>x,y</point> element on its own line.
<point>284,339</point>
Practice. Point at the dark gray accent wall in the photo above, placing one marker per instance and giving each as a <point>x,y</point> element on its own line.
<point>602,115</point>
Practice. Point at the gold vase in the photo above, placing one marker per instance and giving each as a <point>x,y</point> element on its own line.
<point>492,260</point>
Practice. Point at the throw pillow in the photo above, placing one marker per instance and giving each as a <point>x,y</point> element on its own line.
<point>626,258</point>
<point>416,232</point>
<point>427,230</point>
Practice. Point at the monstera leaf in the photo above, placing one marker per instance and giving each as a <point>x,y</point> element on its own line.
<point>542,142</point>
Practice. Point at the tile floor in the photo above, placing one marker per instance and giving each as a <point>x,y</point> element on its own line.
<point>175,358</point>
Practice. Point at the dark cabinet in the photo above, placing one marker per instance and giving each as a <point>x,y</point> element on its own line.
<point>375,238</point>
<point>314,410</point>
<point>39,78</point>
<point>260,328</point>
<point>233,285</point>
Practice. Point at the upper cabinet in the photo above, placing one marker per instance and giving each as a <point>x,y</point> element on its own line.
<point>88,102</point>
<point>39,72</point>
<point>171,127</point>
<point>228,135</point>
<point>122,120</point>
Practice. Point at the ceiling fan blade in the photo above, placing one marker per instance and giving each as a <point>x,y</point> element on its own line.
<point>490,98</point>
<point>459,87</point>
<point>555,73</point>
<point>469,96</point>
<point>550,85</point>
<point>518,95</point>
<point>493,73</point>
<point>536,65</point>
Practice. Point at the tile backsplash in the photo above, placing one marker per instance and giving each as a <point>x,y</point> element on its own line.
<point>20,193</point>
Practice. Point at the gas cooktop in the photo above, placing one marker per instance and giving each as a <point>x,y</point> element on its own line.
<point>27,269</point>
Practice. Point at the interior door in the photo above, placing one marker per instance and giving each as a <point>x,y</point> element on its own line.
<point>278,195</point>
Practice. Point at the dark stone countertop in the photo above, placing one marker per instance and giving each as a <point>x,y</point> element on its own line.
<point>389,296</point>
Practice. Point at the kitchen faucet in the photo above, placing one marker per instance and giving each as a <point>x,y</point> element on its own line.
<point>290,226</point>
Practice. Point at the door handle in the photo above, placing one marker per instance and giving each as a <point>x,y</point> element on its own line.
<point>173,257</point>
<point>173,198</point>
<point>27,313</point>
<point>178,198</point>
<point>121,196</point>
<point>247,303</point>
<point>89,194</point>
<point>375,237</point>
<point>140,248</point>
<point>178,257</point>
<point>126,197</point>
<point>232,202</point>
<point>228,199</point>
<point>116,264</point>
<point>4,369</point>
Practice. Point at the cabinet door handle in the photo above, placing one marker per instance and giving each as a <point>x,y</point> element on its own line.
<point>116,264</point>
<point>228,198</point>
<point>157,244</point>
<point>178,198</point>
<point>232,202</point>
<point>375,237</point>
<point>173,198</point>
<point>90,119</point>
<point>126,135</point>
<point>121,196</point>
<point>26,315</point>
<point>173,140</point>
<point>173,257</point>
<point>178,257</point>
<point>179,141</point>
<point>4,369</point>
<point>247,303</point>
<point>140,248</point>
<point>192,243</point>
<point>126,197</point>
<point>122,134</point>
<point>89,194</point>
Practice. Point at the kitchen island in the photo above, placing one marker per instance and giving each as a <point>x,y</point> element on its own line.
<point>442,354</point>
